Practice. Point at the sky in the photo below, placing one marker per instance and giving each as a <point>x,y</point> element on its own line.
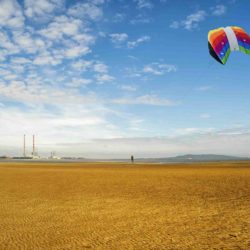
<point>111,78</point>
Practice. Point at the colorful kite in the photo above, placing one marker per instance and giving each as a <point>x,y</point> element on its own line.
<point>222,41</point>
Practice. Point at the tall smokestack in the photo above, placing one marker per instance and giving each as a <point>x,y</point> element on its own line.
<point>24,146</point>
<point>33,150</point>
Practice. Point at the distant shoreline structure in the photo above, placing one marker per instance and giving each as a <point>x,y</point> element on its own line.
<point>190,158</point>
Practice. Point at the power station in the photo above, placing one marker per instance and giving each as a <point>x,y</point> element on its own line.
<point>34,152</point>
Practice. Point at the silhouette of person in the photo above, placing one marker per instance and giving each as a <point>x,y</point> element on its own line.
<point>132,159</point>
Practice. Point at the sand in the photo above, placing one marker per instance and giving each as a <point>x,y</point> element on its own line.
<point>124,206</point>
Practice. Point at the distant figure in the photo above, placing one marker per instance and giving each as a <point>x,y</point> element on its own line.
<point>132,159</point>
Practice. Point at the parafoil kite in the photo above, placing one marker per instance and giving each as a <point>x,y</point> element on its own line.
<point>222,41</point>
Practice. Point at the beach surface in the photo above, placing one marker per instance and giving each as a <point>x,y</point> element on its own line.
<point>124,206</point>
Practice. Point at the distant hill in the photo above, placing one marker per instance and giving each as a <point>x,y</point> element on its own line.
<point>195,158</point>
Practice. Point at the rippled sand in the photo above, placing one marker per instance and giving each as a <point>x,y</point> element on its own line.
<point>123,206</point>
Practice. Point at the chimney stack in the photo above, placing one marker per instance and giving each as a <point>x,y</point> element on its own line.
<point>24,146</point>
<point>33,148</point>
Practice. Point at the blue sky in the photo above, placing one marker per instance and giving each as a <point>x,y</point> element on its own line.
<point>107,78</point>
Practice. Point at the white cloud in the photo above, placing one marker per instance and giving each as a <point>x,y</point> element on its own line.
<point>133,44</point>
<point>102,34</point>
<point>86,10</point>
<point>20,41</point>
<point>7,44</point>
<point>20,60</point>
<point>11,14</point>
<point>119,17</point>
<point>175,25</point>
<point>69,36</point>
<point>41,9</point>
<point>235,130</point>
<point>62,26</point>
<point>191,131</point>
<point>77,51</point>
<point>190,22</point>
<point>83,38</point>
<point>144,4</point>
<point>118,38</point>
<point>35,91</point>
<point>78,82</point>
<point>25,42</point>
<point>128,88</point>
<point>154,68</point>
<point>146,100</point>
<point>100,67</point>
<point>140,18</point>
<point>219,10</point>
<point>133,57</point>
<point>95,67</point>
<point>136,125</point>
<point>205,116</point>
<point>204,88</point>
<point>104,78</point>
<point>132,72</point>
<point>4,72</point>
<point>45,58</point>
<point>82,65</point>
<point>97,2</point>
<point>10,77</point>
<point>193,20</point>
<point>159,68</point>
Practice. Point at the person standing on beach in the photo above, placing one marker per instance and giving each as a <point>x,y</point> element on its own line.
<point>132,159</point>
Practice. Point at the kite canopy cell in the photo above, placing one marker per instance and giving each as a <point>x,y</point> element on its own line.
<point>222,41</point>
